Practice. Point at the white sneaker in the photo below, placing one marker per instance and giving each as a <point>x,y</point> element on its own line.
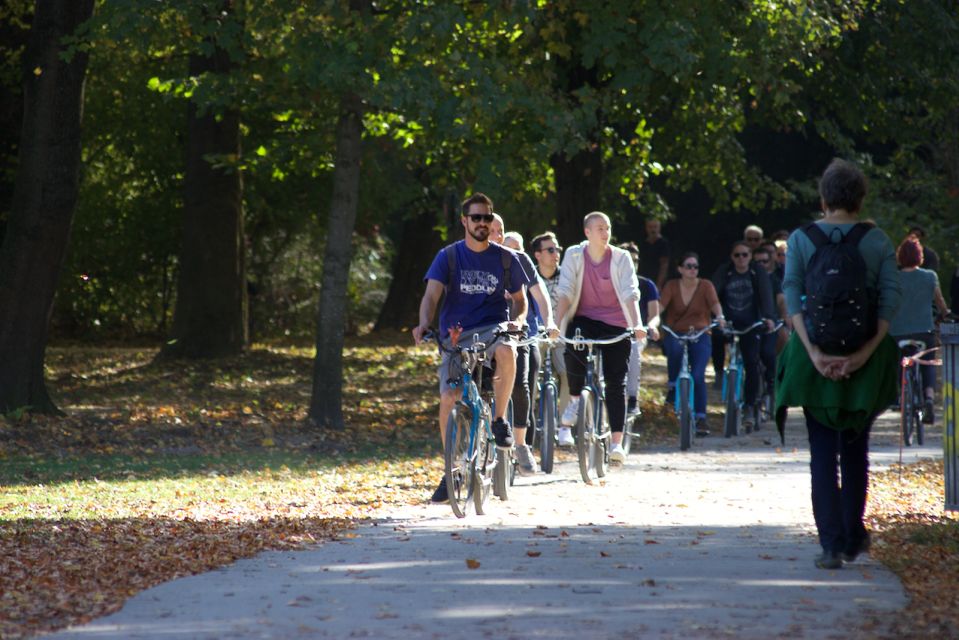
<point>569,414</point>
<point>616,454</point>
<point>565,436</point>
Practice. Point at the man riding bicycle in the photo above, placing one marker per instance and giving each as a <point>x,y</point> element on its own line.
<point>476,302</point>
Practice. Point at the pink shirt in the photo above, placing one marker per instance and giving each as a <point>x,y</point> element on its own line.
<point>598,299</point>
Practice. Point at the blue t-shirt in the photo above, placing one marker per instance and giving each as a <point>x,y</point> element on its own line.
<point>647,293</point>
<point>476,295</point>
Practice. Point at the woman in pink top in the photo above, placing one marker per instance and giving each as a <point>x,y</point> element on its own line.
<point>598,294</point>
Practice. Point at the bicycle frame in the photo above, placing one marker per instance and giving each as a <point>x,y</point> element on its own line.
<point>686,413</point>
<point>736,361</point>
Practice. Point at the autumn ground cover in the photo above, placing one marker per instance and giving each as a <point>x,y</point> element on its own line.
<point>162,469</point>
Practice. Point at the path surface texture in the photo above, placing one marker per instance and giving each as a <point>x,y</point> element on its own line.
<point>716,542</point>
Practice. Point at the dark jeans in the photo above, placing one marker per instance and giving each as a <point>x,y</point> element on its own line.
<point>749,347</point>
<point>615,365</point>
<point>521,388</point>
<point>534,364</point>
<point>698,358</point>
<point>767,354</point>
<point>838,511</point>
<point>718,343</point>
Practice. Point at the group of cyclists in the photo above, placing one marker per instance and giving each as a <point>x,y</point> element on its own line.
<point>593,290</point>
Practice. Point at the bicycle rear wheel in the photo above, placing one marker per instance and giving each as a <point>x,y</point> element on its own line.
<point>919,408</point>
<point>731,419</point>
<point>458,459</point>
<point>547,433</point>
<point>685,414</point>
<point>585,442</point>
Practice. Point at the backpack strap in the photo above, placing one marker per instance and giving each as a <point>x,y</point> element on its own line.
<point>450,251</point>
<point>859,230</point>
<point>506,256</point>
<point>816,234</point>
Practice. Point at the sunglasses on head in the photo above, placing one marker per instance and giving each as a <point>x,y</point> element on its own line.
<point>691,265</point>
<point>740,255</point>
<point>480,217</point>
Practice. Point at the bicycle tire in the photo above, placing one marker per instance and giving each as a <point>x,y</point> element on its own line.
<point>484,467</point>
<point>919,407</point>
<point>627,442</point>
<point>584,436</point>
<point>601,442</point>
<point>547,433</point>
<point>731,419</point>
<point>458,459</point>
<point>685,415</point>
<point>907,411</point>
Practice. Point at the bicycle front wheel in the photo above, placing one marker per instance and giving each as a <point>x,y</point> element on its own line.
<point>457,458</point>
<point>547,434</point>
<point>731,420</point>
<point>585,440</point>
<point>685,414</point>
<point>602,440</point>
<point>486,460</point>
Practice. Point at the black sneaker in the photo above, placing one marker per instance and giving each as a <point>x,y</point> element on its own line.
<point>702,428</point>
<point>928,413</point>
<point>503,433</point>
<point>441,495</point>
<point>849,556</point>
<point>829,560</point>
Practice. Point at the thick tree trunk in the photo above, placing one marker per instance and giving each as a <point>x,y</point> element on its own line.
<point>210,318</point>
<point>578,182</point>
<point>44,200</point>
<point>418,245</point>
<point>326,405</point>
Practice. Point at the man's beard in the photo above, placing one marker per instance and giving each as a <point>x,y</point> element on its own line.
<point>480,234</point>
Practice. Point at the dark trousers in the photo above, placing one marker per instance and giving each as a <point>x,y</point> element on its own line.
<point>749,347</point>
<point>767,353</point>
<point>615,365</point>
<point>521,388</point>
<point>718,344</point>
<point>838,511</point>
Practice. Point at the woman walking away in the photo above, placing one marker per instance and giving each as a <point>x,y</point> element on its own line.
<point>686,304</point>
<point>839,364</point>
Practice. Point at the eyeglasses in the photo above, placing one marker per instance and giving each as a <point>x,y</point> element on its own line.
<point>753,238</point>
<point>480,217</point>
<point>690,266</point>
<point>552,249</point>
<point>741,255</point>
<point>762,261</point>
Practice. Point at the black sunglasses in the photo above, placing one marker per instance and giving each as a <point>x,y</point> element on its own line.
<point>552,249</point>
<point>762,261</point>
<point>690,266</point>
<point>480,217</point>
<point>740,255</point>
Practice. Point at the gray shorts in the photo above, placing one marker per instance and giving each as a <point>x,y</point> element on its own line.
<point>450,362</point>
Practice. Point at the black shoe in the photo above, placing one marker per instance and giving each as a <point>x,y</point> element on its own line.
<point>441,495</point>
<point>928,413</point>
<point>702,428</point>
<point>829,560</point>
<point>849,556</point>
<point>503,433</point>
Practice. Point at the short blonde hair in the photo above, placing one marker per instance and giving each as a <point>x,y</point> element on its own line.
<point>593,216</point>
<point>516,237</point>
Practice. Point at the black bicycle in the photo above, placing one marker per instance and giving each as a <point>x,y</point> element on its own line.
<point>547,408</point>
<point>912,399</point>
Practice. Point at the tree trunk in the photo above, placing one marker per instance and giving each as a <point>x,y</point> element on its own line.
<point>326,405</point>
<point>578,182</point>
<point>210,318</point>
<point>44,200</point>
<point>419,243</point>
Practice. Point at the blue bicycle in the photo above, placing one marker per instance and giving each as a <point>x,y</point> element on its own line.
<point>470,457</point>
<point>547,409</point>
<point>733,381</point>
<point>685,389</point>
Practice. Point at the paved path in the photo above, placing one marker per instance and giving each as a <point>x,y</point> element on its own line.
<point>715,542</point>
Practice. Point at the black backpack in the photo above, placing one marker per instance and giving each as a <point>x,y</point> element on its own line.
<point>839,308</point>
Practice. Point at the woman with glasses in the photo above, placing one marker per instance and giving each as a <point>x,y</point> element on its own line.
<point>746,295</point>
<point>686,304</point>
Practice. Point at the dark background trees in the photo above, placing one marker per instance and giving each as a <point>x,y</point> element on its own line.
<point>709,116</point>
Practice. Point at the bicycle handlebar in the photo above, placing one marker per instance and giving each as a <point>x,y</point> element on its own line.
<point>692,335</point>
<point>736,332</point>
<point>579,341</point>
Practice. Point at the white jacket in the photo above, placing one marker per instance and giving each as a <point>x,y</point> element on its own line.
<point>621,271</point>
